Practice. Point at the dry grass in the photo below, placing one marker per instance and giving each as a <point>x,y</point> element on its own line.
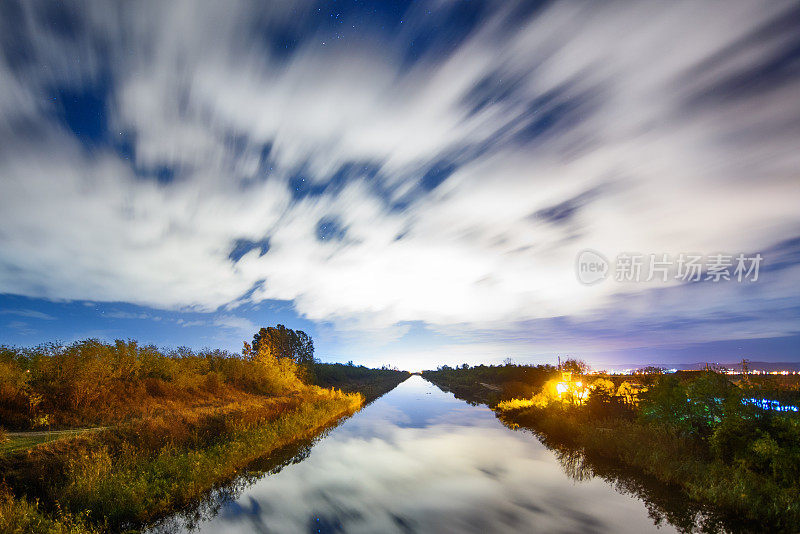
<point>175,424</point>
<point>20,516</point>
<point>128,475</point>
<point>89,383</point>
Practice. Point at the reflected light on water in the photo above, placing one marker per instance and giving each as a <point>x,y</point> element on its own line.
<point>420,460</point>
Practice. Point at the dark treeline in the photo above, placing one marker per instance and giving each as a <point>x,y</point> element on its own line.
<point>371,383</point>
<point>728,441</point>
<point>490,384</point>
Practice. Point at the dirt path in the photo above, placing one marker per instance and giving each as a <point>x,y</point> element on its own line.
<point>27,440</point>
<point>54,433</point>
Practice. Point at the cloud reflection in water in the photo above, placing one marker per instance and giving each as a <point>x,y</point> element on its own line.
<point>419,460</point>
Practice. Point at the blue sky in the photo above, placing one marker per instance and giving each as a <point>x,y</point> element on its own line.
<point>409,182</point>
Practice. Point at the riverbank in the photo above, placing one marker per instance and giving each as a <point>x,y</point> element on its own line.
<point>750,501</point>
<point>691,432</point>
<point>490,384</point>
<point>371,383</point>
<point>181,435</point>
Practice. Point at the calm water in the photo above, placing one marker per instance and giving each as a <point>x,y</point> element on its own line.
<point>418,459</point>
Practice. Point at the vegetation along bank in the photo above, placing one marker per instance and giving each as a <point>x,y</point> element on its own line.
<point>107,437</point>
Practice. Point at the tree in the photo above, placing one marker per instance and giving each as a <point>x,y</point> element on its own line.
<point>628,392</point>
<point>602,401</point>
<point>284,343</point>
<point>304,348</point>
<point>274,339</point>
<point>603,386</point>
<point>666,402</point>
<point>709,395</point>
<point>577,367</point>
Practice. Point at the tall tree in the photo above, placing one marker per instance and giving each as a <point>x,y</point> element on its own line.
<point>282,342</point>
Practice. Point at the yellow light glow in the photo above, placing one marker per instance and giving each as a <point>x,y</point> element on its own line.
<point>561,387</point>
<point>578,384</point>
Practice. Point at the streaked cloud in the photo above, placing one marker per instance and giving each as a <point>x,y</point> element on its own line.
<point>441,164</point>
<point>32,314</point>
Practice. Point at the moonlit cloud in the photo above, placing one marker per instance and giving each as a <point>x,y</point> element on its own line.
<point>441,164</point>
<point>33,314</point>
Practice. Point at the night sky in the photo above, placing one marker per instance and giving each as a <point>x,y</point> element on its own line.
<point>409,182</point>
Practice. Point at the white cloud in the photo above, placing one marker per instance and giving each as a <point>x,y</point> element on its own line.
<point>21,327</point>
<point>33,314</point>
<point>238,324</point>
<point>676,161</point>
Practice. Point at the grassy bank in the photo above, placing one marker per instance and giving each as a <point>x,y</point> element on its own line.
<point>158,430</point>
<point>671,458</point>
<point>130,475</point>
<point>696,432</point>
<point>19,516</point>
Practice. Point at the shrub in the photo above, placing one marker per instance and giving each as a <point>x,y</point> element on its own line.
<point>19,516</point>
<point>517,390</point>
<point>90,382</point>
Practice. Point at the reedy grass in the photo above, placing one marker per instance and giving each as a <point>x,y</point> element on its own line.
<point>738,465</point>
<point>130,488</point>
<point>19,516</point>
<point>117,482</point>
<point>669,457</point>
<point>168,426</point>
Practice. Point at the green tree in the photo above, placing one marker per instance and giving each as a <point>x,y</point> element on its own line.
<point>666,402</point>
<point>280,342</point>
<point>709,397</point>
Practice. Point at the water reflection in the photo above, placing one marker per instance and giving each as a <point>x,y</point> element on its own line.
<point>420,460</point>
<point>665,505</point>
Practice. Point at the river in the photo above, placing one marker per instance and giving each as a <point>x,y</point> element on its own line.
<point>420,460</point>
